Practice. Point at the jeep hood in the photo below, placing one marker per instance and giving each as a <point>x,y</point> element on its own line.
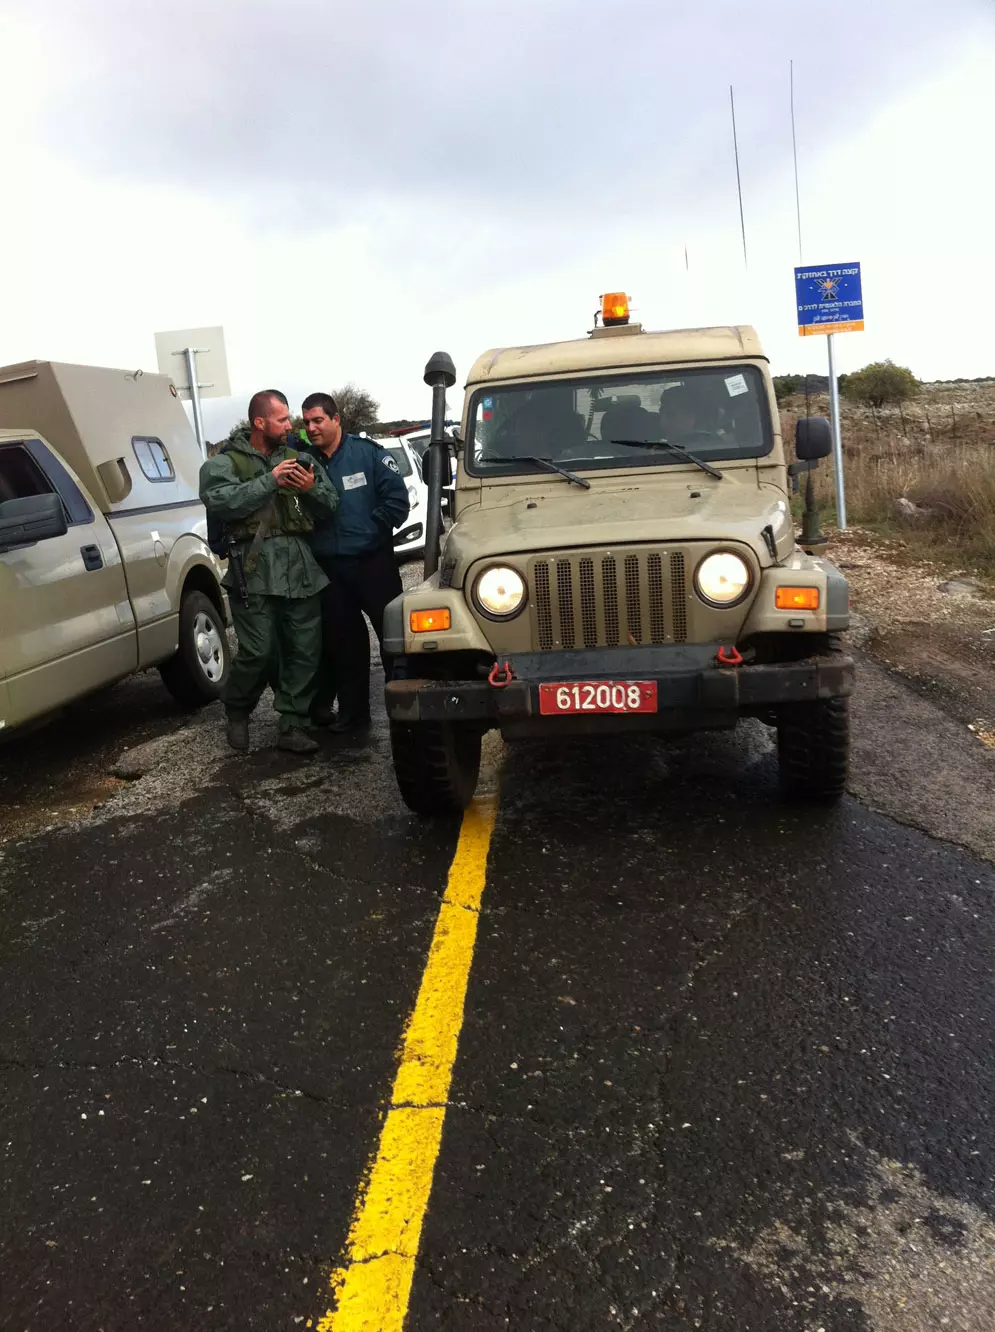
<point>561,516</point>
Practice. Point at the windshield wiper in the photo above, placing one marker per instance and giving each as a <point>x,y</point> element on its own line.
<point>543,462</point>
<point>679,449</point>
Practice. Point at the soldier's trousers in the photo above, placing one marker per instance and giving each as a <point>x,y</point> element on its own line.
<point>279,642</point>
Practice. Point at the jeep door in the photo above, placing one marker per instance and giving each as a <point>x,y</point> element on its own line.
<point>66,624</point>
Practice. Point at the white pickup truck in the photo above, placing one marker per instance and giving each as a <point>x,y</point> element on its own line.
<point>104,563</point>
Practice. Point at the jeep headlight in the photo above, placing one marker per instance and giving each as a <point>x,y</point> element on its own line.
<point>722,579</point>
<point>412,499</point>
<point>499,592</point>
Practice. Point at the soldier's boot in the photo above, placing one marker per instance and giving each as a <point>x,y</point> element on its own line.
<point>238,733</point>
<point>345,723</point>
<point>297,742</point>
<point>323,714</point>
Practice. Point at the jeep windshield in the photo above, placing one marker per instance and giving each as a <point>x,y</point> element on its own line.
<point>599,422</point>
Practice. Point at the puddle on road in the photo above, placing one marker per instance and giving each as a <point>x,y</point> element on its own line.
<point>72,797</point>
<point>913,1258</point>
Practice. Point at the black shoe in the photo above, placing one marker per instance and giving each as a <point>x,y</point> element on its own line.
<point>296,742</point>
<point>323,714</point>
<point>360,721</point>
<point>238,733</point>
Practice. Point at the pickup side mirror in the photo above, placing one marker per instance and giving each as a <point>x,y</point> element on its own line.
<point>34,518</point>
<point>813,438</point>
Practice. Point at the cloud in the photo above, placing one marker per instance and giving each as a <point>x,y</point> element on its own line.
<point>306,111</point>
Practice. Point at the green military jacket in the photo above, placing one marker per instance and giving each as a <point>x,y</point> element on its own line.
<point>284,566</point>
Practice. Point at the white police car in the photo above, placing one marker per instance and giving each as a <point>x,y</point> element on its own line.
<point>418,442</point>
<point>409,540</point>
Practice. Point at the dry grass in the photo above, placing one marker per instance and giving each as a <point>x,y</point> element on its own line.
<point>939,453</point>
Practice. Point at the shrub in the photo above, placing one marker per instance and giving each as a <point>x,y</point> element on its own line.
<point>785,386</point>
<point>880,383</point>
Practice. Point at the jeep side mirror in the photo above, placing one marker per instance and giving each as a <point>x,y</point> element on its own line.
<point>813,438</point>
<point>33,518</point>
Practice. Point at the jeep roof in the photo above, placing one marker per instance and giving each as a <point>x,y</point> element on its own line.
<point>623,347</point>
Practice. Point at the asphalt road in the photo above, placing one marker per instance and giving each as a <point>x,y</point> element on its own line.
<point>724,1065</point>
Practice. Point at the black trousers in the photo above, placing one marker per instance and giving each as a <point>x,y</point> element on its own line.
<point>356,584</point>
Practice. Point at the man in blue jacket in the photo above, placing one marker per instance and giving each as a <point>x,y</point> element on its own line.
<point>356,553</point>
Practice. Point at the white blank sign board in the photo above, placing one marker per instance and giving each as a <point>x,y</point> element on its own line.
<point>212,363</point>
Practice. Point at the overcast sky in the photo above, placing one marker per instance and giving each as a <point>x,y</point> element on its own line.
<point>349,187</point>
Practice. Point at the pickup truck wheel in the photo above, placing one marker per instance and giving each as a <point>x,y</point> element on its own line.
<point>196,674</point>
<point>813,747</point>
<point>436,765</point>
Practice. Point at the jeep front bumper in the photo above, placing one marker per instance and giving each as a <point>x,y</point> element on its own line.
<point>693,691</point>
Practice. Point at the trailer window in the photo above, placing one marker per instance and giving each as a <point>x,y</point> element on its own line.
<point>153,459</point>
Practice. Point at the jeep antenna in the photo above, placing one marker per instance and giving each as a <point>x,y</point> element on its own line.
<point>739,184</point>
<point>794,150</point>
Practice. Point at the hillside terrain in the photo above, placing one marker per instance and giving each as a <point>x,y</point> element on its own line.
<point>919,552</point>
<point>922,471</point>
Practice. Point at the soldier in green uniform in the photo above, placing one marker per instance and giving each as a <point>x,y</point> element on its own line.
<point>267,497</point>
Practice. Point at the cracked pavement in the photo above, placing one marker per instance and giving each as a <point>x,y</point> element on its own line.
<point>725,1064</point>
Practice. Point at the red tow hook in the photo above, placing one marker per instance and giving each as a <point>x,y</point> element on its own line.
<point>730,656</point>
<point>501,675</point>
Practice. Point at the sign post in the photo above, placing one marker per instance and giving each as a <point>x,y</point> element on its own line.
<point>830,301</point>
<point>190,353</point>
<point>206,377</point>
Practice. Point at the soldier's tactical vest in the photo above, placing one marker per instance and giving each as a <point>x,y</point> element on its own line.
<point>289,517</point>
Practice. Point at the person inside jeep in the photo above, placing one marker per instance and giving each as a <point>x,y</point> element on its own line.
<point>680,413</point>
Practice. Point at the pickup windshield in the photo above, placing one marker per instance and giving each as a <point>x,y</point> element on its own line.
<point>601,421</point>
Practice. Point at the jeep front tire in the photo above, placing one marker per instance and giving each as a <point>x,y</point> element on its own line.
<point>436,765</point>
<point>813,747</point>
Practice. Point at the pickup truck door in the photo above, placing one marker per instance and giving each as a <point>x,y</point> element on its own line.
<point>66,624</point>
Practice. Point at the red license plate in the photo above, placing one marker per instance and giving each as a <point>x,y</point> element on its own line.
<point>597,696</point>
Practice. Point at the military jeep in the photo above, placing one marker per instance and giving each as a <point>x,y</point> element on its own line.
<point>622,558</point>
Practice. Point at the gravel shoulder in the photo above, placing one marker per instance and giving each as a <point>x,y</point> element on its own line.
<point>934,628</point>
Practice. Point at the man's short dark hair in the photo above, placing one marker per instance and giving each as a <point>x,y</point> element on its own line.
<point>324,401</point>
<point>259,403</point>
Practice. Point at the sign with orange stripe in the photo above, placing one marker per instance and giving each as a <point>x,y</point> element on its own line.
<point>829,299</point>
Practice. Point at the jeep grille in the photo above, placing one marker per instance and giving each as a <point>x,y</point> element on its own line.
<point>596,599</point>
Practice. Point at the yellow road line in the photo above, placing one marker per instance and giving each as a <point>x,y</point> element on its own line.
<point>372,1287</point>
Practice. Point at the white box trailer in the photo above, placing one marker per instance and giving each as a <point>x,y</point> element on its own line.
<point>124,578</point>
